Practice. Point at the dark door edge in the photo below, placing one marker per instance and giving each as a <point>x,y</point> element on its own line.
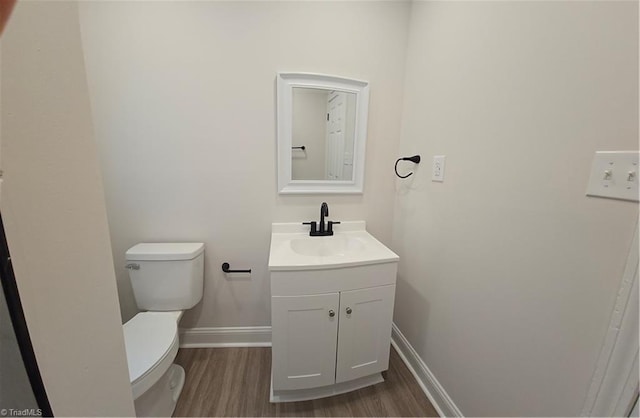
<point>19,322</point>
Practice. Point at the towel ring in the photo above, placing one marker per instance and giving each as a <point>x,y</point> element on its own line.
<point>415,159</point>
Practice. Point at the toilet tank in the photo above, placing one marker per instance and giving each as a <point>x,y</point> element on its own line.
<point>166,276</point>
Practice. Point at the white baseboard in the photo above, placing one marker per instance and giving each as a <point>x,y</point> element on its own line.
<point>441,401</point>
<point>225,337</point>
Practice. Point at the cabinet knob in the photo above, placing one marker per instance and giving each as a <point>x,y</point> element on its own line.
<point>349,311</point>
<point>331,313</point>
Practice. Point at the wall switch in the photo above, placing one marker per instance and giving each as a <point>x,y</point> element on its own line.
<point>614,175</point>
<point>437,172</point>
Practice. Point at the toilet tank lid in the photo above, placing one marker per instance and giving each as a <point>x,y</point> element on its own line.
<point>165,251</point>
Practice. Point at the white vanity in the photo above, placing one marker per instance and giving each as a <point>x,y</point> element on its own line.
<point>331,310</point>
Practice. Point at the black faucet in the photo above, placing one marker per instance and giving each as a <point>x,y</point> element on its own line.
<point>322,231</point>
<point>324,211</point>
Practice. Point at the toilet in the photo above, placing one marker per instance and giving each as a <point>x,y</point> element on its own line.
<point>167,278</point>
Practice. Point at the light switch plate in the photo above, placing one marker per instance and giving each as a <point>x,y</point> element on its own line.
<point>437,172</point>
<point>614,175</point>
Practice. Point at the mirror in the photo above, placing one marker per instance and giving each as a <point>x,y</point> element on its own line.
<point>322,122</point>
<point>322,134</point>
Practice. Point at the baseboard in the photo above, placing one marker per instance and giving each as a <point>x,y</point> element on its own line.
<point>225,337</point>
<point>441,401</point>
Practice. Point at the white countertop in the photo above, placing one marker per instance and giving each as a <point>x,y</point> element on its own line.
<point>351,245</point>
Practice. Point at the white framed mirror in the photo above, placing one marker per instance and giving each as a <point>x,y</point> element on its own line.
<point>322,131</point>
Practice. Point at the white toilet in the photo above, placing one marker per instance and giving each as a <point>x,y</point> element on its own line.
<point>167,278</point>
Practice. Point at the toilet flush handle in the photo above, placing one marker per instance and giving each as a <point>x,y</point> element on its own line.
<point>132,266</point>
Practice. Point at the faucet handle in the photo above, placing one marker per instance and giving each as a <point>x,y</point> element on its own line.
<point>330,227</point>
<point>314,226</point>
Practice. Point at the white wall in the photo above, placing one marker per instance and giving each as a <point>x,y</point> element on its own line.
<point>309,128</point>
<point>183,98</point>
<point>54,214</point>
<point>508,272</point>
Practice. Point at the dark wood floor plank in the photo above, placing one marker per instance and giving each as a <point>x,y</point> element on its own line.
<point>235,382</point>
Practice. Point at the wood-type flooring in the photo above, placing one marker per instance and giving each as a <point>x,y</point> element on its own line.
<point>235,382</point>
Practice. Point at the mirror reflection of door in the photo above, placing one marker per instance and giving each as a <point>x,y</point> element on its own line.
<point>324,123</point>
<point>336,121</point>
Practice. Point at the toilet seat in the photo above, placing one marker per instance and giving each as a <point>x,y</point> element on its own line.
<point>151,342</point>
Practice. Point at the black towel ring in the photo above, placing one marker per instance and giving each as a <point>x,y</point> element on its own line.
<point>415,159</point>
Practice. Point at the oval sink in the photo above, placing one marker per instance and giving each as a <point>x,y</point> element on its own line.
<point>327,246</point>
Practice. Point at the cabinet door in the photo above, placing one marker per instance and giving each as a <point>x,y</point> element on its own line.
<point>365,332</point>
<point>304,333</point>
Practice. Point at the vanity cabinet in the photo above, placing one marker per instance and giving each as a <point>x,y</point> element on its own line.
<point>328,339</point>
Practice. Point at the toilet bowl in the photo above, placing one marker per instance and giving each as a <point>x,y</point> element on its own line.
<point>151,341</point>
<point>166,278</point>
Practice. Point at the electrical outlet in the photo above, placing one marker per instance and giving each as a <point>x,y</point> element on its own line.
<point>437,172</point>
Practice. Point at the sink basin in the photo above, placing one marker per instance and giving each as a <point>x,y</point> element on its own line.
<point>351,245</point>
<point>337,245</point>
